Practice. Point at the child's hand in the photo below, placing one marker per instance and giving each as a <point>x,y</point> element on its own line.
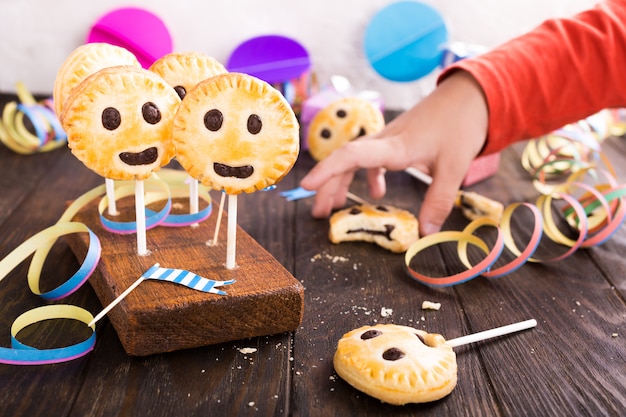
<point>440,136</point>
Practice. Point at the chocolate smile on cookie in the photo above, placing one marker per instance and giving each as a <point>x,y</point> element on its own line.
<point>241,172</point>
<point>386,233</point>
<point>374,232</point>
<point>145,157</point>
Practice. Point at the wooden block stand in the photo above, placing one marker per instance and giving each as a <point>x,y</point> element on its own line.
<point>161,316</point>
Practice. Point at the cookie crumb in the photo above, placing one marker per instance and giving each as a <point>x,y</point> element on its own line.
<point>614,335</point>
<point>247,350</point>
<point>386,312</point>
<point>429,305</point>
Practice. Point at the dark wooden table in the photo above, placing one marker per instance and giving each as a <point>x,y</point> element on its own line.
<point>572,363</point>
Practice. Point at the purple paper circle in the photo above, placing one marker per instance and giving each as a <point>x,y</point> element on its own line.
<point>272,58</point>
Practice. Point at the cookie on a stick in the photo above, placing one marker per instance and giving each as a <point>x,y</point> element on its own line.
<point>183,71</point>
<point>235,133</point>
<point>400,365</point>
<point>118,123</point>
<point>81,63</point>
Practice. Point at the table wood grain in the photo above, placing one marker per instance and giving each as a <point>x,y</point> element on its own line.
<point>572,363</point>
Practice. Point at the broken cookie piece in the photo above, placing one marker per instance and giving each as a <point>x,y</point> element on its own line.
<point>389,227</point>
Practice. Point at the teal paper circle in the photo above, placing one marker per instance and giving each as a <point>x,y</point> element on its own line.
<point>405,41</point>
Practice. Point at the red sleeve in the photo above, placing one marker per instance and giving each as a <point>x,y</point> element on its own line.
<point>561,72</point>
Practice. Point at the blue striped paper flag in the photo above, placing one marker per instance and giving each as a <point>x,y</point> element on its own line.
<point>186,278</point>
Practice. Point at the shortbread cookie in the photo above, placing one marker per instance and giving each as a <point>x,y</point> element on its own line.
<point>387,226</point>
<point>342,121</point>
<point>397,364</point>
<point>119,122</point>
<point>184,70</point>
<point>236,133</point>
<point>84,61</point>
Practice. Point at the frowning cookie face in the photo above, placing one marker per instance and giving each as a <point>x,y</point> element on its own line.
<point>340,122</point>
<point>236,133</point>
<point>119,122</point>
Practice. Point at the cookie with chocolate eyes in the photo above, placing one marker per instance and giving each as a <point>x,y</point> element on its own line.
<point>342,121</point>
<point>396,364</point>
<point>119,122</point>
<point>389,227</point>
<point>83,62</point>
<point>236,133</point>
<point>184,70</point>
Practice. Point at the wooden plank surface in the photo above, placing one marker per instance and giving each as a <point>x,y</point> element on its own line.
<point>159,317</point>
<point>573,363</point>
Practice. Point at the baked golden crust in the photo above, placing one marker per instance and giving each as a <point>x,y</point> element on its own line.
<point>387,226</point>
<point>184,70</point>
<point>342,121</point>
<point>83,62</point>
<point>396,364</point>
<point>236,133</point>
<point>119,122</point>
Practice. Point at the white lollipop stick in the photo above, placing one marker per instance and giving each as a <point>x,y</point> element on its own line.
<point>487,334</point>
<point>231,239</point>
<point>110,190</point>
<point>425,178</point>
<point>140,218</point>
<point>218,222</point>
<point>116,301</point>
<point>193,197</point>
<point>355,198</point>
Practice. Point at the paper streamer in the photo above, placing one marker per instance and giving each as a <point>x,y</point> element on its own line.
<point>48,133</point>
<point>22,354</point>
<point>561,165</point>
<point>153,219</point>
<point>39,246</point>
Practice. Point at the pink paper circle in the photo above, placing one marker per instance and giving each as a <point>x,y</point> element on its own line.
<point>138,30</point>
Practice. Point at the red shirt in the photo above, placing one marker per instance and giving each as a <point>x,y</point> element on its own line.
<point>561,72</point>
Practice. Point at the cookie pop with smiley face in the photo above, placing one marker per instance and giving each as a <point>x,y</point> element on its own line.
<point>235,133</point>
<point>183,71</point>
<point>340,122</point>
<point>118,123</point>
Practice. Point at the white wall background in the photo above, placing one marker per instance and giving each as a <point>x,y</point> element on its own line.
<point>37,35</point>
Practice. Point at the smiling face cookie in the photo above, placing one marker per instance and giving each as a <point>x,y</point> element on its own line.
<point>342,121</point>
<point>236,133</point>
<point>119,122</point>
<point>397,364</point>
<point>84,61</point>
<point>387,226</point>
<point>184,70</point>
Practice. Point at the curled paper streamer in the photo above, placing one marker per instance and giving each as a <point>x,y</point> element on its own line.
<point>14,133</point>
<point>22,354</point>
<point>164,186</point>
<point>559,164</point>
<point>39,246</point>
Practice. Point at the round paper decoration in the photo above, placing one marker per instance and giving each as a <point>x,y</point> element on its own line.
<point>405,41</point>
